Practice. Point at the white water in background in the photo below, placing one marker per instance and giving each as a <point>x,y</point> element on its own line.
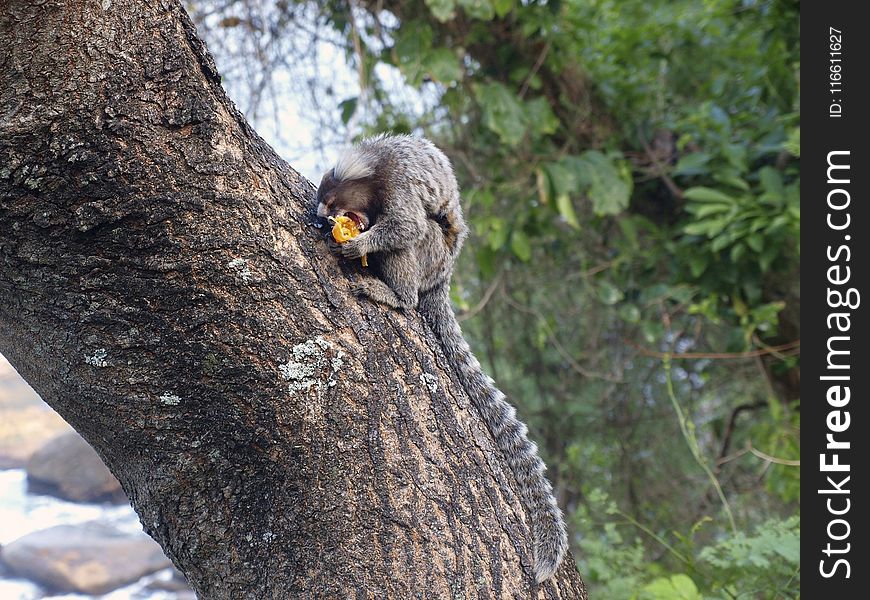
<point>22,513</point>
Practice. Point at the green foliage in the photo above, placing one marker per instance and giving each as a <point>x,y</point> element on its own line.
<point>502,113</point>
<point>763,564</point>
<point>604,182</point>
<point>613,557</point>
<point>417,59</point>
<point>675,587</point>
<point>767,560</point>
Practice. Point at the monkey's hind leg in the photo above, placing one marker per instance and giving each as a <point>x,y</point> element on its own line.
<point>398,282</point>
<point>377,290</point>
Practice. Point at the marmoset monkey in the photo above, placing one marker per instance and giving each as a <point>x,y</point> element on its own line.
<point>402,194</point>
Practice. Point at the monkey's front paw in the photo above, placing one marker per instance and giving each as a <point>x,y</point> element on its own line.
<point>334,247</point>
<point>352,249</point>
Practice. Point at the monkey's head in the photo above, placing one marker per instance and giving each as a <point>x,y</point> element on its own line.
<point>353,198</point>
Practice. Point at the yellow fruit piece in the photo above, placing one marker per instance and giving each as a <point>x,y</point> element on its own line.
<point>344,229</point>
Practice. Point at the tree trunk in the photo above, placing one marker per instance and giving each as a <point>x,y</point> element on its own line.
<point>164,287</point>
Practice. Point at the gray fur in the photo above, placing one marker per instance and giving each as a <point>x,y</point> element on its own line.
<point>414,233</point>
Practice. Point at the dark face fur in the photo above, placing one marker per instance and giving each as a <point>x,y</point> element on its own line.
<point>354,198</point>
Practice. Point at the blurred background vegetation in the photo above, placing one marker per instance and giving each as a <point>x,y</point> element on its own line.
<point>630,174</point>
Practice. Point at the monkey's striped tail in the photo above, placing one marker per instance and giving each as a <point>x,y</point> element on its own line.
<point>536,493</point>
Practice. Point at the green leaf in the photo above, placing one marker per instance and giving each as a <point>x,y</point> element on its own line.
<point>774,542</point>
<point>520,245</point>
<point>540,116</point>
<point>755,241</point>
<point>793,194</point>
<point>680,293</point>
<point>497,234</point>
<point>676,587</point>
<point>479,196</point>
<point>720,242</point>
<point>413,44</point>
<point>486,261</point>
<point>502,7</point>
<point>697,228</point>
<point>609,294</point>
<point>562,178</point>
<point>481,10</point>
<point>777,223</point>
<point>502,113</point>
<point>704,210</point>
<point>759,223</point>
<point>708,227</point>
<point>736,155</point>
<point>443,10</point>
<point>737,252</point>
<point>771,182</point>
<point>792,145</point>
<point>442,66</point>
<point>692,164</point>
<point>348,107</point>
<point>730,177</point>
<point>607,186</point>
<point>652,331</point>
<point>566,210</point>
<point>789,547</point>
<point>629,313</point>
<point>562,182</point>
<point>705,194</point>
<point>767,257</point>
<point>697,264</point>
<point>629,231</point>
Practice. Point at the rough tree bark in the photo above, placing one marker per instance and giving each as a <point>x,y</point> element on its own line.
<point>164,288</point>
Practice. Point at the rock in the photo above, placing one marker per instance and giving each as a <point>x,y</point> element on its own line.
<point>25,430</point>
<point>26,422</point>
<point>91,558</point>
<point>67,467</point>
<point>14,391</point>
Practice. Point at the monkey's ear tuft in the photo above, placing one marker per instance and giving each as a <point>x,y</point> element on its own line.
<point>353,164</point>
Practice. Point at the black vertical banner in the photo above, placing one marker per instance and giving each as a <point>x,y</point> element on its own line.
<point>835,56</point>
